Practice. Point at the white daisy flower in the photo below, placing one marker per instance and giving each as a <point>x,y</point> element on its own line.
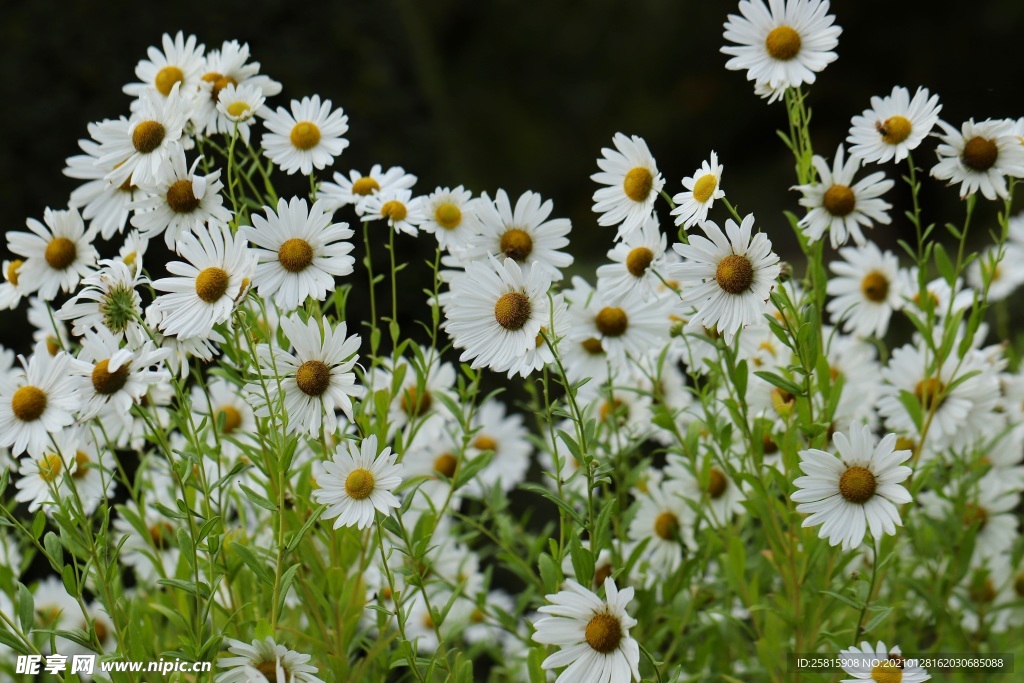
<point>727,279</point>
<point>418,398</point>
<point>855,492</point>
<point>180,202</point>
<point>702,189</point>
<point>782,45</point>
<point>239,104</point>
<point>879,663</point>
<point>662,516</point>
<point>497,311</point>
<point>209,285</point>
<point>584,357</point>
<point>10,292</point>
<point>316,380</point>
<point>42,477</point>
<point>37,403</point>
<point>57,255</point>
<point>979,156</point>
<point>265,661</point>
<point>505,436</point>
<point>593,635</point>
<point>402,211</point>
<point>1003,276</point>
<point>628,325</point>
<point>450,216</point>
<point>308,137</point>
<point>633,181</point>
<point>354,189</point>
<point>867,289</point>
<point>838,205</point>
<point>541,355</point>
<point>719,498</point>
<point>893,126</point>
<point>300,250</point>
<point>523,234</point>
<point>636,260</point>
<point>92,476</point>
<point>229,415</point>
<point>179,63</point>
<point>229,67</point>
<point>114,377</point>
<point>358,483</point>
<point>107,299</point>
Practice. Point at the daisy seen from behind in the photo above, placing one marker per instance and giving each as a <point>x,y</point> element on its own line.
<point>632,182</point>
<point>265,661</point>
<point>893,126</point>
<point>307,137</point>
<point>701,191</point>
<point>979,156</point>
<point>57,255</point>
<point>855,492</point>
<point>593,635</point>
<point>357,483</point>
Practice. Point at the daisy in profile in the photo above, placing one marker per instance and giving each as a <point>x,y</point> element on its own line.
<point>839,206</point>
<point>593,635</point>
<point>867,289</point>
<point>316,380</point>
<point>857,491</point>
<point>358,483</point>
<point>496,312</point>
<point>115,378</point>
<point>701,191</point>
<point>57,255</point>
<point>979,156</point>
<point>524,233</point>
<point>218,270</point>
<point>300,250</point>
<point>782,45</point>
<point>354,188</point>
<point>10,293</point>
<point>633,181</point>
<point>39,402</point>
<point>107,299</point>
<point>728,276</point>
<point>450,216</point>
<point>635,260</point>
<point>179,63</point>
<point>879,663</point>
<point>238,106</point>
<point>893,126</point>
<point>308,137</point>
<point>265,661</point>
<point>402,211</point>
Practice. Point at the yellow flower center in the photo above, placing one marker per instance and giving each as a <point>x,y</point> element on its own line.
<point>839,200</point>
<point>638,261</point>
<point>601,573</point>
<point>166,78</point>
<point>28,403</point>
<point>485,443</point>
<point>638,183</point>
<point>181,198</point>
<point>305,135</point>
<point>211,284</point>
<point>269,669</point>
<point>512,310</point>
<point>734,274</point>
<point>12,271</point>
<point>929,392</point>
<point>783,43</point>
<point>232,418</point>
<point>147,136</point>
<point>446,464</point>
<point>666,526</point>
<point>219,83</point>
<point>106,382</point>
<point>50,467</point>
<point>705,187</point>
<point>238,109</point>
<point>365,186</point>
<point>894,129</point>
<point>313,377</point>
<point>394,211</point>
<point>888,671</point>
<point>611,321</point>
<point>592,346</point>
<point>60,253</point>
<point>413,404</point>
<point>82,465</point>
<point>875,287</point>
<point>161,534</point>
<point>295,255</point>
<point>979,154</point>
<point>857,485</point>
<point>717,483</point>
<point>516,244</point>
<point>604,633</point>
<point>448,216</point>
<point>359,483</point>
<point>975,514</point>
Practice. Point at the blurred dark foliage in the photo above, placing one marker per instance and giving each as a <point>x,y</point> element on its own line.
<point>510,94</point>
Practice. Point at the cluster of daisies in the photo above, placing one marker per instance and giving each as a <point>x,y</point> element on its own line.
<point>212,424</point>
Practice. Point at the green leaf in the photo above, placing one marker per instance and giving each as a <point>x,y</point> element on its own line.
<point>550,574</point>
<point>26,608</point>
<point>913,407</point>
<point>844,599</point>
<point>944,265</point>
<point>257,499</point>
<point>582,561</point>
<point>786,385</point>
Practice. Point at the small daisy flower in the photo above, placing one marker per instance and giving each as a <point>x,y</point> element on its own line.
<point>629,324</point>
<point>450,216</point>
<point>663,517</point>
<point>179,63</point>
<point>979,156</point>
<point>855,492</point>
<point>37,403</point>
<point>356,187</point>
<point>635,260</point>
<point>114,377</point>
<point>300,250</point>
<point>308,137</point>
<point>403,212</point>
<point>218,270</point>
<point>840,206</point>
<point>358,483</point>
<point>893,126</point>
<point>1003,276</point>
<point>719,498</point>
<point>47,328</point>
<point>228,67</point>
<point>593,635</point>
<point>727,279</point>
<point>91,479</point>
<point>265,661</point>
<point>239,104</point>
<point>10,293</point>
<point>42,477</point>
<point>57,255</point>
<point>107,299</point>
<point>702,189</point>
<point>784,44</point>
<point>633,182</point>
<point>507,437</point>
<point>497,311</point>
<point>229,414</point>
<point>867,289</point>
<point>879,663</point>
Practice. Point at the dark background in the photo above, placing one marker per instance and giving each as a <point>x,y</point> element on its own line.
<point>511,94</point>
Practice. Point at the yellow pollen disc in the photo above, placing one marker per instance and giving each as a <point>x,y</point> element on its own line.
<point>313,377</point>
<point>666,526</point>
<point>638,184</point>
<point>604,633</point>
<point>783,43</point>
<point>485,443</point>
<point>305,135</point>
<point>53,346</point>
<point>28,403</point>
<point>232,418</point>
<point>359,483</point>
<point>734,274</point>
<point>717,483</point>
<point>516,244</point>
<point>446,464</point>
<point>12,271</point>
<point>50,467</point>
<point>413,404</point>
<point>60,253</point>
<point>161,534</point>
<point>857,485</point>
<point>592,346</point>
<point>512,311</point>
<point>638,261</point>
<point>979,154</point>
<point>269,669</point>
<point>295,255</point>
<point>147,136</point>
<point>875,287</point>
<point>614,408</point>
<point>107,383</point>
<point>611,321</point>
<point>180,197</point>
<point>929,392</point>
<point>478,617</point>
<point>905,444</point>
<point>365,186</point>
<point>705,187</point>
<point>975,514</point>
<point>238,108</point>
<point>394,211</point>
<point>887,672</point>
<point>166,78</point>
<point>894,129</point>
<point>211,284</point>
<point>82,464</point>
<point>448,216</point>
<point>839,200</point>
<point>219,83</point>
<point>602,573</point>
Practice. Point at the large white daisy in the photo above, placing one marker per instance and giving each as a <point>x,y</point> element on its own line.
<point>108,299</point>
<point>358,482</point>
<point>633,182</point>
<point>893,126</point>
<point>879,663</point>
<point>308,137</point>
<point>115,378</point>
<point>57,255</point>
<point>979,156</point>
<point>450,216</point>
